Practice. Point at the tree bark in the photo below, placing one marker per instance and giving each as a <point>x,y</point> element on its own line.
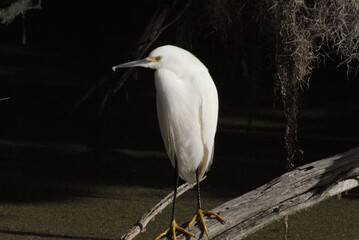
<point>293,191</point>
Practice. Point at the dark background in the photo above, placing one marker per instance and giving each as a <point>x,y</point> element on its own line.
<point>72,45</point>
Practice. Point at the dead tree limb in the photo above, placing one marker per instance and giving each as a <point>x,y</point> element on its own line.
<point>4,99</point>
<point>293,191</point>
<point>154,29</point>
<point>15,8</point>
<point>145,219</point>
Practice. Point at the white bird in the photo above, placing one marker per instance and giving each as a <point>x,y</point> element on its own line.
<point>187,109</point>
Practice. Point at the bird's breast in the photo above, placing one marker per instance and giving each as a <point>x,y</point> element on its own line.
<point>174,90</point>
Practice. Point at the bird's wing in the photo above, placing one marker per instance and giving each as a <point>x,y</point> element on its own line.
<point>187,112</point>
<point>178,109</point>
<point>205,86</point>
<point>174,112</point>
<point>163,109</point>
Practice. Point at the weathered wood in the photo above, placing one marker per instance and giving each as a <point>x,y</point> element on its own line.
<point>293,191</point>
<point>158,208</point>
<point>4,99</point>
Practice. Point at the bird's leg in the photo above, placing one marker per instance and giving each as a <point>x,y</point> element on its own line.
<point>173,226</point>
<point>200,213</point>
<point>175,191</point>
<point>199,204</point>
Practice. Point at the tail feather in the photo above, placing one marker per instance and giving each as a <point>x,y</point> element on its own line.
<point>203,167</point>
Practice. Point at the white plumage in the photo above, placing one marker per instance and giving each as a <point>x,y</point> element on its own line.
<point>187,108</point>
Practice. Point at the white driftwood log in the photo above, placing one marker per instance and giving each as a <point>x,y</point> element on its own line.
<point>285,195</point>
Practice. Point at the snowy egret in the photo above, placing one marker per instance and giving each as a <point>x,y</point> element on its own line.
<point>187,109</point>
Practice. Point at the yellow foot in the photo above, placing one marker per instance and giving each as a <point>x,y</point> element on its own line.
<point>174,227</point>
<point>201,213</point>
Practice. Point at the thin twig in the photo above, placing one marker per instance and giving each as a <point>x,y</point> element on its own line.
<point>4,99</point>
<point>153,30</point>
<point>91,91</point>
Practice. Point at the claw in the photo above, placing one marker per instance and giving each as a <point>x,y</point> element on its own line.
<point>174,226</point>
<point>201,213</point>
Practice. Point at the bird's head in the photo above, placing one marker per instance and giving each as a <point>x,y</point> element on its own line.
<point>169,57</point>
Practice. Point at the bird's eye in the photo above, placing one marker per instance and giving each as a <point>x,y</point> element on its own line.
<point>158,58</point>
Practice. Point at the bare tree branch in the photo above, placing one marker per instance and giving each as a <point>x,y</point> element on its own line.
<point>158,208</point>
<point>153,30</point>
<point>293,191</point>
<point>4,99</point>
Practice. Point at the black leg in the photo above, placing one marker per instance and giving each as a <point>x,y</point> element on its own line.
<point>176,178</point>
<point>200,213</point>
<point>198,192</point>
<point>173,226</point>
